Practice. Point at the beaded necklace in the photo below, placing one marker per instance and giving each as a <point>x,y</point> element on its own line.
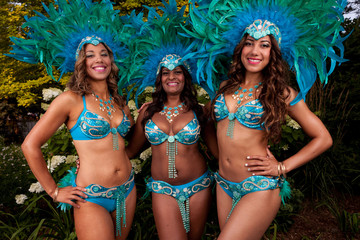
<point>171,144</point>
<point>105,105</point>
<point>240,95</point>
<point>171,112</point>
<point>243,93</point>
<point>109,107</point>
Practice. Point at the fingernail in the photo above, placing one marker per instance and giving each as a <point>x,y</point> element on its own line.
<point>249,169</point>
<point>246,164</point>
<point>248,157</point>
<point>253,174</point>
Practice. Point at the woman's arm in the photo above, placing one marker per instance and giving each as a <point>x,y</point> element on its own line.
<point>54,117</point>
<point>320,137</point>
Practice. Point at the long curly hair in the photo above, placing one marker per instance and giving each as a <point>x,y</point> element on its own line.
<point>274,92</point>
<point>187,96</point>
<point>79,84</point>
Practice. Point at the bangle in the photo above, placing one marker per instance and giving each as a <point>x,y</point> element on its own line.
<point>279,168</point>
<point>283,169</point>
<point>56,192</point>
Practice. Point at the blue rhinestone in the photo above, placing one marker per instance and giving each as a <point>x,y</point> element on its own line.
<point>250,89</point>
<point>244,90</point>
<point>241,95</point>
<point>169,112</point>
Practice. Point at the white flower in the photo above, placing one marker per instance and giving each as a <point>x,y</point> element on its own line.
<point>285,147</point>
<point>293,124</point>
<point>146,154</point>
<point>136,164</point>
<point>202,92</point>
<point>50,93</point>
<point>132,105</point>
<point>45,106</point>
<point>55,161</point>
<point>71,158</point>
<point>135,114</point>
<point>148,89</point>
<point>36,187</point>
<point>20,199</point>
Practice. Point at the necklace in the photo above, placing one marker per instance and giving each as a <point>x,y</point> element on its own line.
<point>245,94</point>
<point>105,105</point>
<point>171,112</point>
<point>240,95</point>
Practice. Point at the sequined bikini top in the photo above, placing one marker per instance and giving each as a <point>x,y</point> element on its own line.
<point>92,126</point>
<point>248,114</point>
<point>188,135</point>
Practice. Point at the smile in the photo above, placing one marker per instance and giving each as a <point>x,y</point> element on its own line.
<point>254,61</point>
<point>99,69</point>
<point>172,84</point>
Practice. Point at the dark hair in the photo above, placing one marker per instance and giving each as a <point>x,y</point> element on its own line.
<point>188,96</point>
<point>275,89</point>
<point>78,81</point>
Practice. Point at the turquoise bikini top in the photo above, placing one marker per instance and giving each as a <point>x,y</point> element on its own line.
<point>188,135</point>
<point>248,114</point>
<point>92,126</point>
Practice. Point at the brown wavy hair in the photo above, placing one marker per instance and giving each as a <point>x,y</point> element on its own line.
<point>275,89</point>
<point>188,96</point>
<point>78,81</point>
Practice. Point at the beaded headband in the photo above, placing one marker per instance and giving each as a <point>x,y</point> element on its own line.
<point>172,61</point>
<point>261,28</point>
<point>94,40</point>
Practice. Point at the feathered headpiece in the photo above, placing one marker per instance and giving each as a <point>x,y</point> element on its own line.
<point>306,31</point>
<point>161,43</point>
<point>56,39</point>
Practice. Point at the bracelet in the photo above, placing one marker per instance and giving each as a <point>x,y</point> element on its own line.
<point>279,169</point>
<point>56,192</point>
<point>283,169</point>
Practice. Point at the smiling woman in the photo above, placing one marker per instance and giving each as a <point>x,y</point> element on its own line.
<point>102,191</point>
<point>180,181</point>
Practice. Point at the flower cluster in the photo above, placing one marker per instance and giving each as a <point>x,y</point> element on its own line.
<point>36,188</point>
<point>50,93</point>
<point>292,123</point>
<point>146,154</point>
<point>55,161</point>
<point>20,199</point>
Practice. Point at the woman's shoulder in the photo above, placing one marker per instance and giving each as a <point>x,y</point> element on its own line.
<point>67,99</point>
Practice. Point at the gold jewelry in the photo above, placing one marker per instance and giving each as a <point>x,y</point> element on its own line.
<point>171,112</point>
<point>55,195</point>
<point>279,168</point>
<point>283,169</point>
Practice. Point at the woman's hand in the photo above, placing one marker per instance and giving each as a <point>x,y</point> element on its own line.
<point>260,165</point>
<point>68,194</point>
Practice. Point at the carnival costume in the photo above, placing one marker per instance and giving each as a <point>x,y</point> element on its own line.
<point>162,44</point>
<point>55,41</point>
<point>307,33</point>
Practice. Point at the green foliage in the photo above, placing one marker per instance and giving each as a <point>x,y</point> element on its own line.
<point>349,223</point>
<point>14,174</point>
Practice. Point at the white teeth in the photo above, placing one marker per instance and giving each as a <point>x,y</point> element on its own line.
<point>99,68</point>
<point>254,60</point>
<point>172,84</point>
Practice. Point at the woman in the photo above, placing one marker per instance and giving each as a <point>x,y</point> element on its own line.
<point>252,104</point>
<point>72,37</point>
<point>98,139</point>
<point>249,179</point>
<point>172,124</point>
<point>180,182</point>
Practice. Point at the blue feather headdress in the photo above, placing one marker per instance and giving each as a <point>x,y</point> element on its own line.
<point>54,39</point>
<point>159,37</point>
<point>308,33</point>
